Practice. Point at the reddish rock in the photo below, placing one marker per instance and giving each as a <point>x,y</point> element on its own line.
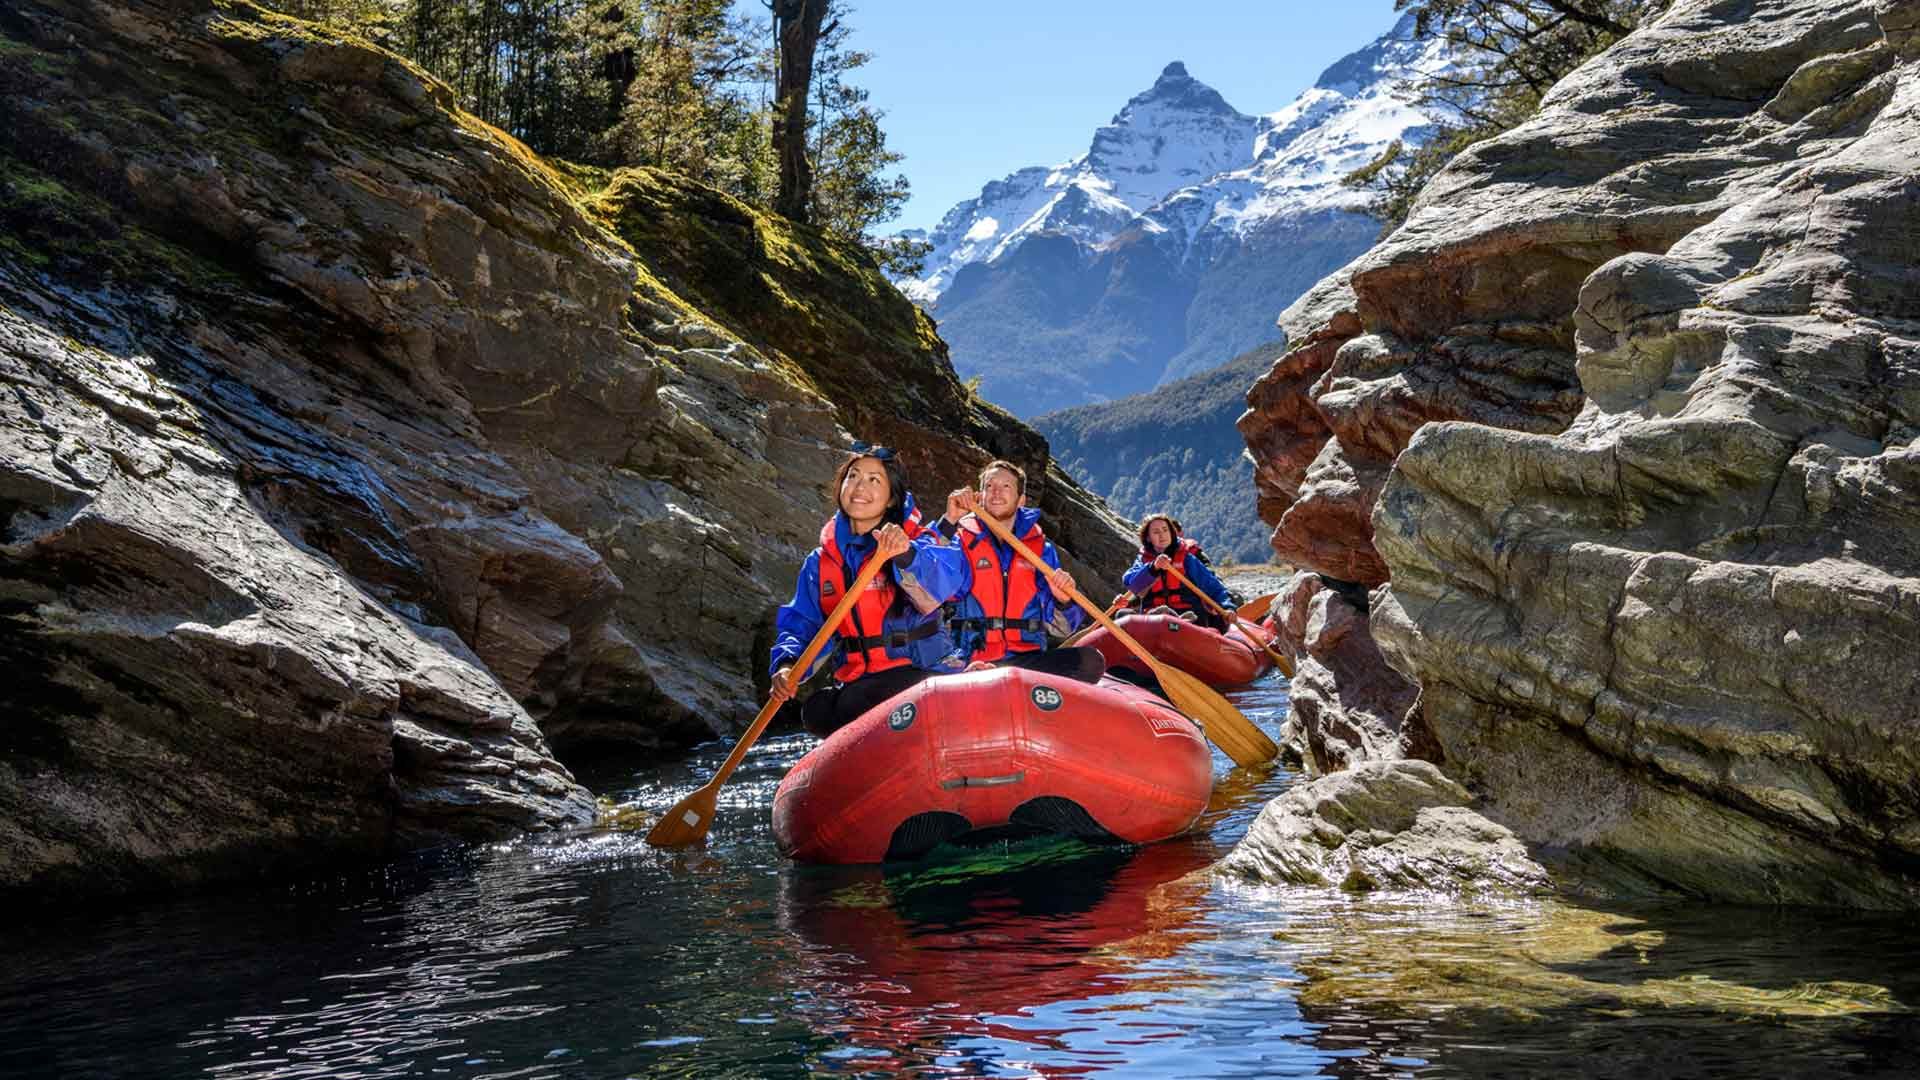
<point>1645,371</point>
<point>1349,707</point>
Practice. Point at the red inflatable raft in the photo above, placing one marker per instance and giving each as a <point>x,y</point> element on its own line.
<point>1001,749</point>
<point>1215,658</point>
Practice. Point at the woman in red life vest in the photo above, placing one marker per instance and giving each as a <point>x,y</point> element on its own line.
<point>1005,609</point>
<point>894,637</point>
<point>1161,547</point>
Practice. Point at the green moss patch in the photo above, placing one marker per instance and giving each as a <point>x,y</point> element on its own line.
<point>78,236</point>
<point>791,291</point>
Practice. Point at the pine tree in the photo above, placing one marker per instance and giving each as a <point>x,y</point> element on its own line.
<point>850,194</point>
<point>687,85</point>
<point>694,66</point>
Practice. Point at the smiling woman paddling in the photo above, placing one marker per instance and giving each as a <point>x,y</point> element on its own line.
<point>1162,546</point>
<point>895,636</point>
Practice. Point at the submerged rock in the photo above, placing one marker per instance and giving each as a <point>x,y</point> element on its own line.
<point>1398,825</point>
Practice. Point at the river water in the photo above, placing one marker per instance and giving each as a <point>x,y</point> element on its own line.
<point>593,955</point>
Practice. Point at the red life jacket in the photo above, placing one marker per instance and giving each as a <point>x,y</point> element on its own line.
<point>1165,590</point>
<point>862,638</point>
<point>1002,595</point>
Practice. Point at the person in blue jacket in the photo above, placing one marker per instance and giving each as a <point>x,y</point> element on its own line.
<point>1162,546</point>
<point>1006,608</point>
<point>895,635</point>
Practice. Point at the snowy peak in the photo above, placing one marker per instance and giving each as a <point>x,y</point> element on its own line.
<point>1177,159</point>
<point>1178,132</point>
<point>1178,91</point>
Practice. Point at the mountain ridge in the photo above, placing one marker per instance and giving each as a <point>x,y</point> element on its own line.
<point>1231,214</point>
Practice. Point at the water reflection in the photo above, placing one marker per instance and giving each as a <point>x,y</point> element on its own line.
<point>1630,990</point>
<point>902,967</point>
<point>593,955</point>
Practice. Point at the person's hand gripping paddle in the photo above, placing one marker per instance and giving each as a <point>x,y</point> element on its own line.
<point>688,821</point>
<point>1280,659</point>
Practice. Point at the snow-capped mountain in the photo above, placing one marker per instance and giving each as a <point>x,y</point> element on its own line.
<point>1169,245</point>
<point>1177,134</point>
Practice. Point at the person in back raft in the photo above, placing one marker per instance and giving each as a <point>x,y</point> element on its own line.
<point>1162,546</point>
<point>895,636</point>
<point>1005,609</point>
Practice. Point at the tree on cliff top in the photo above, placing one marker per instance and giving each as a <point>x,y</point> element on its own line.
<point>1510,53</point>
<point>797,26</point>
<point>691,86</point>
<point>852,190</point>
<point>691,69</point>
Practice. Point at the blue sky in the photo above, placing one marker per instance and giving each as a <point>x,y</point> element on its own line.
<point>977,89</point>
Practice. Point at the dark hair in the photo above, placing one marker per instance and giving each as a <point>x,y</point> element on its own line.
<point>1019,474</point>
<point>896,512</point>
<point>1173,526</point>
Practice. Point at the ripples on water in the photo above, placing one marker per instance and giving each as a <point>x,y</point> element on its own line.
<point>593,955</point>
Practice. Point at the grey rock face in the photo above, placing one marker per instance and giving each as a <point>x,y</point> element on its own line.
<point>194,693</point>
<point>340,442</point>
<point>1676,644</point>
<point>1349,707</point>
<point>1466,312</point>
<point>1399,825</point>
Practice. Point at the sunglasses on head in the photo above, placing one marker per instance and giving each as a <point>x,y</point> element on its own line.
<point>867,449</point>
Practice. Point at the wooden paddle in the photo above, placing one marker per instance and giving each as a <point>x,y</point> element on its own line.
<point>689,819</point>
<point>1280,659</point>
<point>1256,609</point>
<point>1222,723</point>
<point>1073,639</point>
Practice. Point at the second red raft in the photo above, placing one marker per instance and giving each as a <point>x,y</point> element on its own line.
<point>1004,748</point>
<point>1213,657</point>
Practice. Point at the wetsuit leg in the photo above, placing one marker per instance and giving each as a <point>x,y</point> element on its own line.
<point>1078,662</point>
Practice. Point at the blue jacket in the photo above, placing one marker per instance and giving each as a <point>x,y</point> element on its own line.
<point>1139,578</point>
<point>1062,618</point>
<point>931,572</point>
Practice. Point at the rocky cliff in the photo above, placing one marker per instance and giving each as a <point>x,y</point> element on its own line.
<point>1621,423</point>
<point>354,456</point>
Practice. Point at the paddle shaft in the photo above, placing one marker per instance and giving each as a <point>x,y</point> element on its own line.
<point>689,819</point>
<point>1218,719</point>
<point>1257,608</point>
<point>1204,598</point>
<point>800,666</point>
<point>1040,564</point>
<point>1286,665</point>
<point>1113,609</point>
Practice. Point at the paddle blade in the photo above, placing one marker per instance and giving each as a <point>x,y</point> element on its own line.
<point>1256,609</point>
<point>1225,726</point>
<point>1259,636</point>
<point>687,823</point>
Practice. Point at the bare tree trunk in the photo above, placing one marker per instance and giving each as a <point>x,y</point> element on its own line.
<point>797,22</point>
